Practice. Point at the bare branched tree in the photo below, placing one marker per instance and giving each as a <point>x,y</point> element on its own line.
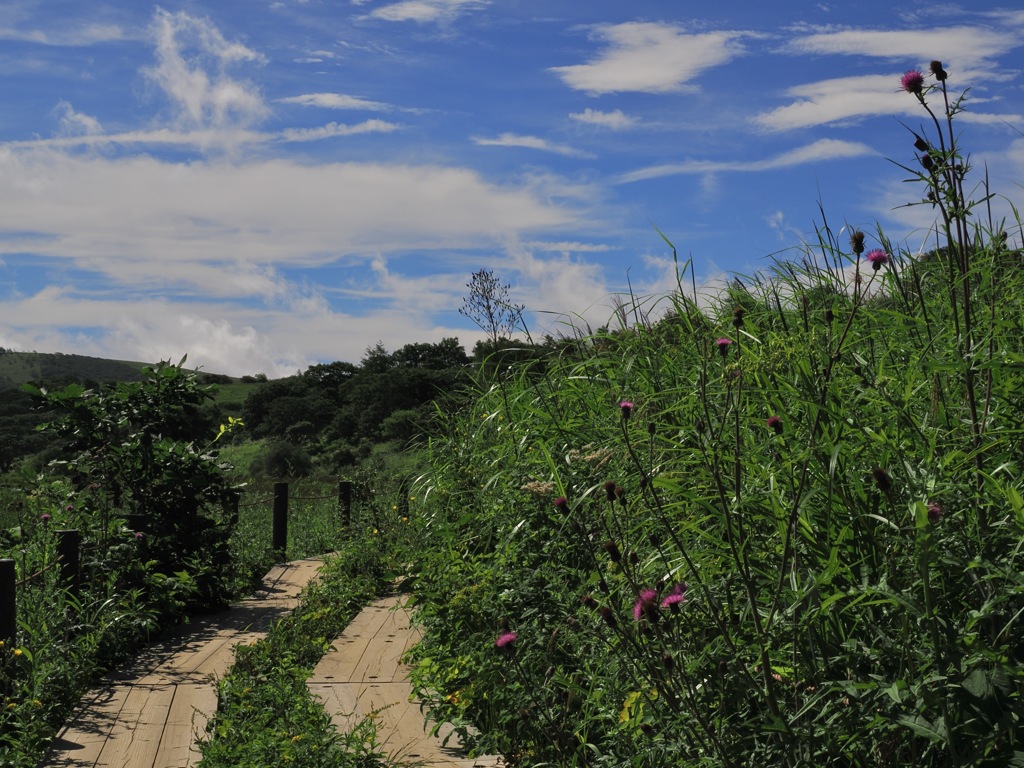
<point>488,305</point>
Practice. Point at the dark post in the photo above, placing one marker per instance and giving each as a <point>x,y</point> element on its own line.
<point>345,502</point>
<point>68,542</point>
<point>280,539</point>
<point>8,603</point>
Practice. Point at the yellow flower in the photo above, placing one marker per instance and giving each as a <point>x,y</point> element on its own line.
<point>296,737</point>
<point>12,705</point>
<point>18,652</point>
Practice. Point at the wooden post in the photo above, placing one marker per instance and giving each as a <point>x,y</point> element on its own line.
<point>345,502</point>
<point>8,603</point>
<point>279,542</point>
<point>68,554</point>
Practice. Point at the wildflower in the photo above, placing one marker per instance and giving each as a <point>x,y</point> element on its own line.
<point>588,601</point>
<point>613,551</point>
<point>737,316</point>
<point>938,71</point>
<point>608,616</point>
<point>44,518</point>
<point>927,163</point>
<point>18,652</point>
<point>920,144</point>
<point>912,82</point>
<point>882,479</point>
<point>620,494</point>
<point>646,604</point>
<point>857,242</point>
<point>878,258</point>
<point>562,504</point>
<point>935,512</point>
<point>69,508</point>
<point>674,598</point>
<point>627,409</point>
<point>667,661</point>
<point>506,640</point>
<point>139,536</point>
<point>723,346</point>
<point>774,423</point>
<point>609,489</point>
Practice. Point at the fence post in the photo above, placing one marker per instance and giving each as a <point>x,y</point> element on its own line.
<point>68,554</point>
<point>345,502</point>
<point>279,541</point>
<point>8,603</point>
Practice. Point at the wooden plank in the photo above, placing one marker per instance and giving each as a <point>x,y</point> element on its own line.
<point>135,737</point>
<point>344,661</point>
<point>80,742</point>
<point>192,707</point>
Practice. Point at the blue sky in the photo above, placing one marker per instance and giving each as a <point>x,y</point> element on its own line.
<point>264,185</point>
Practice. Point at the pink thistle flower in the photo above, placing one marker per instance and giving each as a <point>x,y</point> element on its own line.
<point>645,604</point>
<point>139,536</point>
<point>912,82</point>
<point>506,640</point>
<point>878,258</point>
<point>44,518</point>
<point>723,346</point>
<point>674,598</point>
<point>562,504</point>
<point>935,512</point>
<point>627,409</point>
<point>774,423</point>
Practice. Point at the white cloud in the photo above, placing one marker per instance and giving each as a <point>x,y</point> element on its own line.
<point>262,212</point>
<point>617,120</point>
<point>850,98</point>
<point>651,58</point>
<point>823,149</point>
<point>73,123</point>
<point>426,10</point>
<point>963,47</point>
<point>336,101</point>
<point>75,35</point>
<point>529,142</point>
<point>332,130</point>
<point>192,60</point>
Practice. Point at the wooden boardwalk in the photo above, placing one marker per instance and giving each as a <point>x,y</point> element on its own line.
<point>147,714</point>
<point>363,676</point>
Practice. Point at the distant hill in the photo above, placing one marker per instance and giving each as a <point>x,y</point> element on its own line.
<point>17,368</point>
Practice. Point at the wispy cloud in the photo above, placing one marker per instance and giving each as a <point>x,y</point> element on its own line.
<point>426,10</point>
<point>529,142</point>
<point>617,120</point>
<point>968,46</point>
<point>823,149</point>
<point>651,58</point>
<point>852,98</point>
<point>72,35</point>
<point>192,61</point>
<point>336,101</point>
<point>332,130</point>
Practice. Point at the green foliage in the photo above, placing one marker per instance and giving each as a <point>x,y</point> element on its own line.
<point>785,530</point>
<point>136,450</point>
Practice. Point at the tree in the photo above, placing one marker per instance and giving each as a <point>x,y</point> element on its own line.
<point>489,307</point>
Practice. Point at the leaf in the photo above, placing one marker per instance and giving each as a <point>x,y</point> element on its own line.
<point>978,685</point>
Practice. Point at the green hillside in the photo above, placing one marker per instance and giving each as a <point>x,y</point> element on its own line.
<point>17,368</point>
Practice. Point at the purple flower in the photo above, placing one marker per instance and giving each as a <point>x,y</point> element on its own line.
<point>627,409</point>
<point>723,346</point>
<point>774,423</point>
<point>506,640</point>
<point>935,512</point>
<point>646,604</point>
<point>912,81</point>
<point>70,507</point>
<point>45,518</point>
<point>674,598</point>
<point>139,536</point>
<point>878,258</point>
<point>562,504</point>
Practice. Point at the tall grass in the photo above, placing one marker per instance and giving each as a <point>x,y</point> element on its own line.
<point>784,529</point>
